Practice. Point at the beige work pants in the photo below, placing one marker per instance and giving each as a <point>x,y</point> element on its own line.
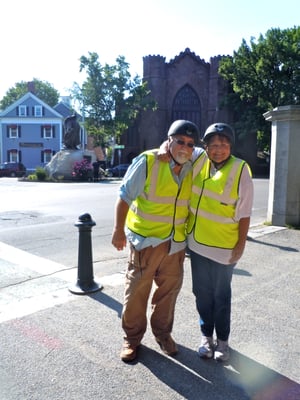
<point>152,264</point>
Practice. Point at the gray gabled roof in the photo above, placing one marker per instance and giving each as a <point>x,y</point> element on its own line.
<point>23,99</point>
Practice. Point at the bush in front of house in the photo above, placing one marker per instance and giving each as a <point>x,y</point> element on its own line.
<point>40,173</point>
<point>82,170</point>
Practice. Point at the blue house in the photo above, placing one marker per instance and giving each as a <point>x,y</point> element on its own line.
<point>31,132</point>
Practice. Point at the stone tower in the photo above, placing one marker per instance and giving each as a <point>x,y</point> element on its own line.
<point>187,87</point>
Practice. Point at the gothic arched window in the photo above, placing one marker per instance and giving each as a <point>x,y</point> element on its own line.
<point>186,105</point>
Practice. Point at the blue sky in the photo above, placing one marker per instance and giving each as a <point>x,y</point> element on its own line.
<point>45,39</point>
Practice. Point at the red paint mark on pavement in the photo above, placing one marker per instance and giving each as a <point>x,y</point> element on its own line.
<point>37,334</point>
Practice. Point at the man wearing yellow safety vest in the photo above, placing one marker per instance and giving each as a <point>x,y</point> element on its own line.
<point>151,213</point>
<point>220,209</point>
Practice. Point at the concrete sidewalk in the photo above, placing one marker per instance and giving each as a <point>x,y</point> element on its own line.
<point>57,345</point>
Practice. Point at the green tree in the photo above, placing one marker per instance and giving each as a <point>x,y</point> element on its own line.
<point>109,98</point>
<point>263,75</point>
<point>42,89</point>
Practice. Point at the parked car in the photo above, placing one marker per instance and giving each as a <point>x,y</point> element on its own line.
<point>117,171</point>
<point>12,169</point>
<point>262,164</point>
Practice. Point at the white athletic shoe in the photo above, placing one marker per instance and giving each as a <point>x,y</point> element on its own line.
<point>222,350</point>
<point>206,349</point>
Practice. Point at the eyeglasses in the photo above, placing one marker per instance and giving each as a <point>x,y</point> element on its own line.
<point>183,143</point>
<point>221,146</point>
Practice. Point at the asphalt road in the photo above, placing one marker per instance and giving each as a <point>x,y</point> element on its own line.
<point>40,217</point>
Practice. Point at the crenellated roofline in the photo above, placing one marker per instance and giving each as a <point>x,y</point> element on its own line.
<point>188,52</point>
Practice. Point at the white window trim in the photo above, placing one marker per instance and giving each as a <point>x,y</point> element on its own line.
<point>47,156</point>
<point>13,156</point>
<point>38,111</point>
<point>22,111</point>
<point>47,132</point>
<point>13,132</point>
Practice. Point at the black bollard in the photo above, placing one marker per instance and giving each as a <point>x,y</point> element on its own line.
<point>85,280</point>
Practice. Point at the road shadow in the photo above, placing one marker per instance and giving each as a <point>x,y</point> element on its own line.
<point>108,301</point>
<point>238,271</point>
<point>197,379</point>
<point>284,248</point>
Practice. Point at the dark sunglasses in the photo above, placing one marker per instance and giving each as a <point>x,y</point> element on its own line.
<point>183,143</point>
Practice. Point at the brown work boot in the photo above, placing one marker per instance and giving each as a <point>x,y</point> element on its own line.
<point>128,352</point>
<point>167,345</point>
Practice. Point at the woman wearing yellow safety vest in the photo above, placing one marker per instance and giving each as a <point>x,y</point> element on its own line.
<point>220,209</point>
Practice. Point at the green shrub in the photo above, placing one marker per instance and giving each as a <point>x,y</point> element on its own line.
<point>40,173</point>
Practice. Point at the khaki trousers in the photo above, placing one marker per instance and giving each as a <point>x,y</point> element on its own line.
<point>145,267</point>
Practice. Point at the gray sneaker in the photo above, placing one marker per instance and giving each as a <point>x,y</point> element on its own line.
<point>222,350</point>
<point>206,349</point>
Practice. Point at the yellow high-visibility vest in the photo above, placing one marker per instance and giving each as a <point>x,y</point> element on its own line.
<point>163,207</point>
<point>213,202</point>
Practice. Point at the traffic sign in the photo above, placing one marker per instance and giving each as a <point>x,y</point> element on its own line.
<point>119,146</point>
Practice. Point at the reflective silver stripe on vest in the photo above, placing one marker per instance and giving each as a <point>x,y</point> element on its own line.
<point>225,196</point>
<point>196,189</point>
<point>199,164</point>
<point>151,196</point>
<point>165,200</point>
<point>157,218</point>
<point>213,217</point>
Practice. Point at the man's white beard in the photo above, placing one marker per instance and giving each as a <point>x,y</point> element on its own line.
<point>181,157</point>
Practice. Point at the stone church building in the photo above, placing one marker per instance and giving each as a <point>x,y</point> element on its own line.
<point>187,87</point>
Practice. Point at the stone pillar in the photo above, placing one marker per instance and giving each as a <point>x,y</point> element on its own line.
<point>284,186</point>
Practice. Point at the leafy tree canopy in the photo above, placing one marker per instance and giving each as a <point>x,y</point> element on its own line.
<point>110,99</point>
<point>42,89</point>
<point>263,74</point>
